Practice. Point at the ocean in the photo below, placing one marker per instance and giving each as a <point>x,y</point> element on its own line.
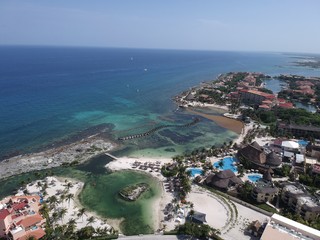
<point>48,94</point>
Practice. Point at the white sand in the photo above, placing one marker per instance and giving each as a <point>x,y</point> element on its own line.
<point>244,132</point>
<point>58,184</point>
<point>200,104</point>
<point>221,214</point>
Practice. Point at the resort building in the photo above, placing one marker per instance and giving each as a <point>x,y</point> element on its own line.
<point>255,97</point>
<point>223,180</point>
<point>254,153</point>
<point>264,190</point>
<point>300,202</point>
<point>258,157</point>
<point>283,228</point>
<point>313,151</point>
<point>20,218</point>
<point>197,217</point>
<point>299,130</point>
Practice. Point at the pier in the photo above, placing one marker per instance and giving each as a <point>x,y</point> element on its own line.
<point>110,155</point>
<point>145,134</point>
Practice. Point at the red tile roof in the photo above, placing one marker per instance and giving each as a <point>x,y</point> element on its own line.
<point>264,106</point>
<point>4,213</point>
<point>256,92</point>
<point>39,233</point>
<point>267,102</point>
<point>29,221</point>
<point>17,206</point>
<point>285,105</point>
<point>281,100</point>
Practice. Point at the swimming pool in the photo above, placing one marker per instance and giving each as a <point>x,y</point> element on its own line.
<point>303,143</point>
<point>254,177</point>
<point>195,171</point>
<point>228,163</point>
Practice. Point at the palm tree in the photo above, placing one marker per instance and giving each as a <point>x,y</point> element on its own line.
<point>71,225</point>
<point>90,220</point>
<point>39,184</point>
<point>26,192</point>
<point>44,210</point>
<point>221,164</point>
<point>81,213</point>
<point>62,198</point>
<point>55,217</point>
<point>69,185</point>
<point>69,197</point>
<point>44,186</point>
<point>191,214</point>
<point>62,213</point>
<point>53,201</point>
<point>72,221</point>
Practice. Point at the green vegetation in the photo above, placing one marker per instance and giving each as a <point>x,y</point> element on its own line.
<point>202,231</point>
<point>133,192</point>
<point>68,230</point>
<point>297,116</point>
<point>310,179</point>
<point>168,171</point>
<point>245,191</point>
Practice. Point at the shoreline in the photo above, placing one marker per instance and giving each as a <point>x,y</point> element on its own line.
<point>225,122</point>
<point>55,186</point>
<point>77,152</point>
<point>125,164</point>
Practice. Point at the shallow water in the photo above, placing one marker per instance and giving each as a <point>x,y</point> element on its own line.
<point>48,93</point>
<point>100,193</point>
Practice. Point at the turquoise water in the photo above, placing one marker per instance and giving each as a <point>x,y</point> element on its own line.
<point>228,163</point>
<point>303,143</point>
<point>195,171</point>
<point>254,178</point>
<point>100,193</point>
<point>51,93</point>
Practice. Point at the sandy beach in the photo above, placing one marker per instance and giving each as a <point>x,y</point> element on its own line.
<point>227,216</point>
<point>228,123</point>
<point>57,186</point>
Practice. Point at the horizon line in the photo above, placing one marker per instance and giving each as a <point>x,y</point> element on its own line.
<point>154,48</point>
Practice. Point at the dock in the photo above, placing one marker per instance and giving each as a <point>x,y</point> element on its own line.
<point>110,155</point>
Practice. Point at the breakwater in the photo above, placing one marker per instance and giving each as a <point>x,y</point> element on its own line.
<point>145,134</point>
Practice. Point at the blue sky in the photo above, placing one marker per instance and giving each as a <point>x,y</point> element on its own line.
<point>243,25</point>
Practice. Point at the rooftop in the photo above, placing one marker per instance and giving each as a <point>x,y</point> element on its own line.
<point>284,228</point>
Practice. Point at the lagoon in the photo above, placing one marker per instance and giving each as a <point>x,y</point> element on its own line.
<point>100,193</point>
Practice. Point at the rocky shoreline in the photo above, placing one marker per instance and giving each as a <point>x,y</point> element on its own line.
<point>72,153</point>
<point>133,192</point>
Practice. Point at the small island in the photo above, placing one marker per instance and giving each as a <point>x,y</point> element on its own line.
<point>133,192</point>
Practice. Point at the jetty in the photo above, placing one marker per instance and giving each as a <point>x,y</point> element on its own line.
<point>145,134</point>
<point>110,155</point>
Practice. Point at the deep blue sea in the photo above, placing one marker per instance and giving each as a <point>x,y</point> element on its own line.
<point>50,93</point>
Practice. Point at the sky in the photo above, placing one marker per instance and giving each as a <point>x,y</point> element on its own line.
<point>229,25</point>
